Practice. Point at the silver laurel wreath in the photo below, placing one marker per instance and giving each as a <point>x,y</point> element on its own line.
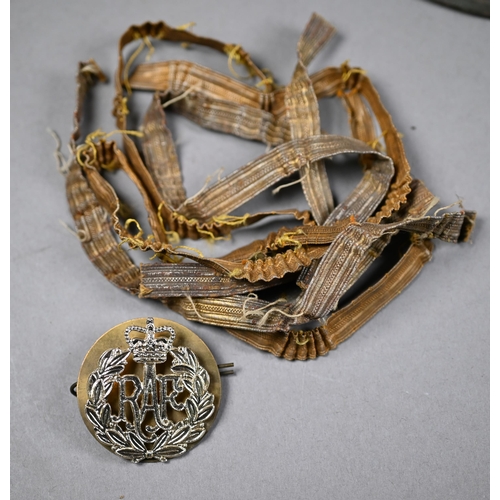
<point>199,406</point>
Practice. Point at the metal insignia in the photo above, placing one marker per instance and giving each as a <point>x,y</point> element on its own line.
<point>152,400</point>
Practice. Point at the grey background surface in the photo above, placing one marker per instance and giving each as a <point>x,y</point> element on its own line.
<point>400,410</point>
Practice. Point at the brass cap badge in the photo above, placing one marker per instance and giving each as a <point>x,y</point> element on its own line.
<point>149,389</point>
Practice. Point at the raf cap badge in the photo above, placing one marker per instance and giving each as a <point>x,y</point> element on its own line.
<point>149,389</point>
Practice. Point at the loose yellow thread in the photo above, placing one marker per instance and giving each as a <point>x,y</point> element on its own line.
<point>126,240</point>
<point>124,108</point>
<point>136,240</point>
<point>259,255</point>
<point>151,50</point>
<point>173,236</point>
<point>233,55</point>
<point>195,250</point>
<point>89,142</point>
<point>183,95</point>
<point>128,64</point>
<point>182,219</point>
<point>186,27</point>
<point>347,71</point>
<point>171,259</point>
<point>287,239</point>
<point>144,42</point>
<point>158,214</point>
<point>269,76</point>
<point>235,273</point>
<point>211,236</point>
<point>303,335</point>
<point>114,165</point>
<point>376,142</point>
<point>144,290</point>
<point>231,220</point>
<point>139,228</point>
<point>99,134</point>
<point>269,80</point>
<point>303,342</point>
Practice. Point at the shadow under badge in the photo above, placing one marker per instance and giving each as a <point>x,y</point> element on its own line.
<point>149,389</point>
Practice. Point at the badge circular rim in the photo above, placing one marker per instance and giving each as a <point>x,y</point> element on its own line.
<point>101,389</point>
